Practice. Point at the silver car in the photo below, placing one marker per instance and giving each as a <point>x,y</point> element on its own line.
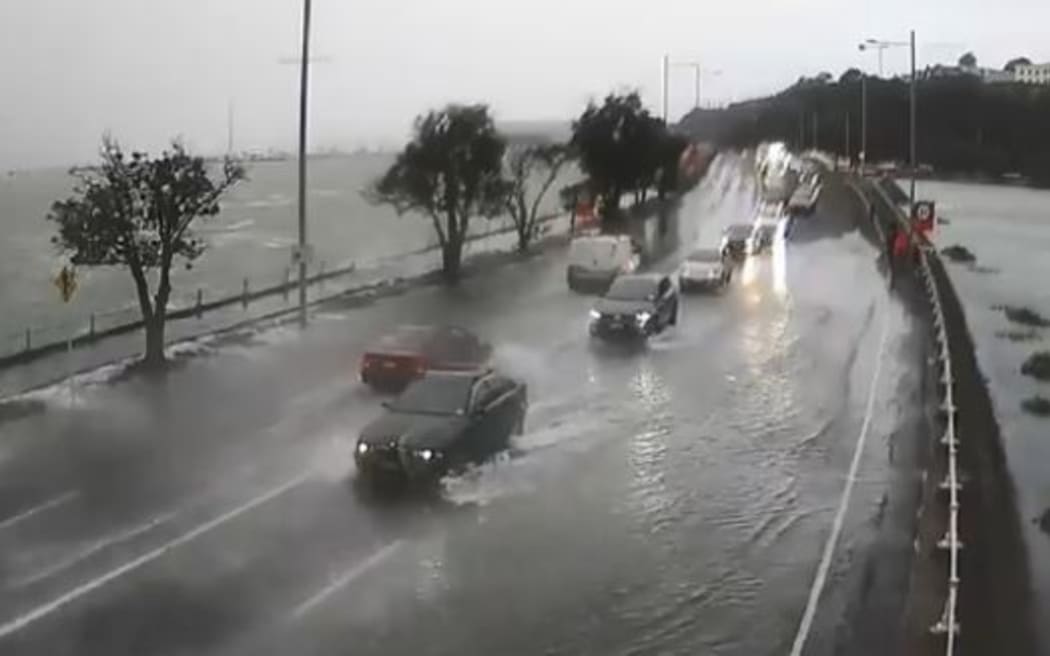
<point>705,268</point>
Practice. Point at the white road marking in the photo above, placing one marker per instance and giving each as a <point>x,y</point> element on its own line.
<point>43,610</point>
<point>819,580</point>
<point>345,578</point>
<point>95,547</point>
<point>55,502</point>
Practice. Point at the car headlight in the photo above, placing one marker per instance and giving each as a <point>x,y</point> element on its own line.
<point>426,455</point>
<point>595,314</point>
<point>642,318</point>
<point>362,448</point>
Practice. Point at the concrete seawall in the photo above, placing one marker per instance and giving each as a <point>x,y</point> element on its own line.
<point>995,609</point>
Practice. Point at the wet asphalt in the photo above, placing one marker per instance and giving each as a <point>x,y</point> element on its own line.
<point>669,499</point>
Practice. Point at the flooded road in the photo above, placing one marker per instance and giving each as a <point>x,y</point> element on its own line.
<point>670,499</point>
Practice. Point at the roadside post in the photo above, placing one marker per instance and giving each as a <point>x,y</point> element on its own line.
<point>66,283</point>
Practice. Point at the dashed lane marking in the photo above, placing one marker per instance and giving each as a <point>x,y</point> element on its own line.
<point>54,502</point>
<point>24,620</point>
<point>344,579</point>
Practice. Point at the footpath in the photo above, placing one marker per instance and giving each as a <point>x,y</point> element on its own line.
<point>89,359</point>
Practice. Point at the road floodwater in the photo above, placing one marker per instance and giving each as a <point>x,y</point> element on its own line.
<point>671,499</point>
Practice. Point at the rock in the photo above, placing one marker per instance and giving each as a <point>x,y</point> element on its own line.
<point>1024,315</point>
<point>1037,366</point>
<point>958,253</point>
<point>1037,405</point>
<point>1044,522</point>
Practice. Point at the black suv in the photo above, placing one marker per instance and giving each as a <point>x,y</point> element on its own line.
<point>442,422</point>
<point>636,305</point>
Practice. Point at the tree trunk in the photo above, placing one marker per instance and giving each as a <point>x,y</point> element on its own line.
<point>452,247</point>
<point>155,325</point>
<point>154,358</point>
<point>451,254</point>
<point>523,224</point>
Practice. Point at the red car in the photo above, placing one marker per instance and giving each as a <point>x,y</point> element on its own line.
<point>410,351</point>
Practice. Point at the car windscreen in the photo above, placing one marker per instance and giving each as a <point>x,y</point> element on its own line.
<point>405,338</point>
<point>435,395</point>
<point>707,255</point>
<point>632,289</point>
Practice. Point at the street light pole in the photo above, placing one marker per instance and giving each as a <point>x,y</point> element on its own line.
<point>914,160</point>
<point>304,72</point>
<point>863,119</point>
<point>665,68</point>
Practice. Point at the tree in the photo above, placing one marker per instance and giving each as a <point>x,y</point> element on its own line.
<point>824,78</point>
<point>449,172</point>
<point>969,60</point>
<point>618,146</point>
<point>1012,65</point>
<point>851,76</point>
<point>138,212</point>
<point>523,165</point>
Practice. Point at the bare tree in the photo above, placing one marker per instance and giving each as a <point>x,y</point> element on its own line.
<point>524,165</point>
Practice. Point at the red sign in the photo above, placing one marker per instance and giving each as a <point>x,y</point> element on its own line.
<point>924,217</point>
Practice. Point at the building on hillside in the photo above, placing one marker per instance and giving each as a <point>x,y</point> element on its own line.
<point>1032,73</point>
<point>996,76</point>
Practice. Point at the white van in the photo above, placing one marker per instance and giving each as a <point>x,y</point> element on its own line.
<point>594,261</point>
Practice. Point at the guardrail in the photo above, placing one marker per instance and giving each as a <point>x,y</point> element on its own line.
<point>948,625</point>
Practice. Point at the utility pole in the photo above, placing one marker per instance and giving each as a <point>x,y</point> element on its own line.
<point>664,74</point>
<point>696,101</point>
<point>863,120</point>
<point>849,153</point>
<point>304,72</point>
<point>914,160</point>
<point>229,128</point>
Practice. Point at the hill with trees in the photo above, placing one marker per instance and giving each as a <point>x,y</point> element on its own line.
<point>965,126</point>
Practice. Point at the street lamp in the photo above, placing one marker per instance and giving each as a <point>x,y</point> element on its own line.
<point>698,72</point>
<point>304,73</point>
<point>880,46</point>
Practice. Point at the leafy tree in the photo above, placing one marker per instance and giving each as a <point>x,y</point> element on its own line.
<point>449,172</point>
<point>618,146</point>
<point>851,76</point>
<point>1012,65</point>
<point>824,78</point>
<point>138,212</point>
<point>969,60</point>
<point>523,165</point>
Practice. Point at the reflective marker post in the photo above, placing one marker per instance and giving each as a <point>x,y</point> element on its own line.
<point>66,282</point>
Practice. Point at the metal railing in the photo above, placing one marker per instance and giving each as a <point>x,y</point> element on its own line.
<point>948,625</point>
<point>32,342</point>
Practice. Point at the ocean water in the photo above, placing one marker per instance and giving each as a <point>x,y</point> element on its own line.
<point>251,238</point>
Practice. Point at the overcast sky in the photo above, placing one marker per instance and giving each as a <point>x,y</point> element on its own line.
<point>150,69</point>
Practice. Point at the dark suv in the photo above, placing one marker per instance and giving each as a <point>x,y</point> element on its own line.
<point>636,305</point>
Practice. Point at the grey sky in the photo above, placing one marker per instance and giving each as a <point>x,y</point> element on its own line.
<point>149,69</point>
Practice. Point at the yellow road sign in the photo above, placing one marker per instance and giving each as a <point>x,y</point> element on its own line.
<point>66,282</point>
